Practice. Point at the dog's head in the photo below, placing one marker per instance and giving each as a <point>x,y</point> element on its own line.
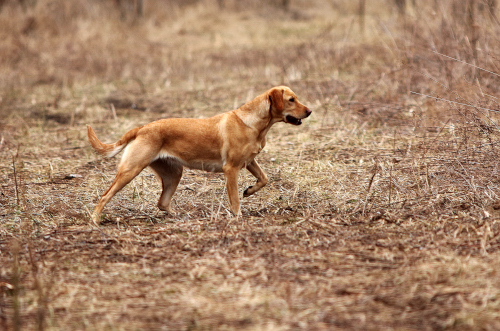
<point>285,106</point>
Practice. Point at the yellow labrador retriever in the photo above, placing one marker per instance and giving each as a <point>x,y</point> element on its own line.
<point>224,143</point>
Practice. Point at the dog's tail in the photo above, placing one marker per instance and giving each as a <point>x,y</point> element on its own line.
<point>110,150</point>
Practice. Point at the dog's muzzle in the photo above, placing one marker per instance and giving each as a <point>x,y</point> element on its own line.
<point>297,121</point>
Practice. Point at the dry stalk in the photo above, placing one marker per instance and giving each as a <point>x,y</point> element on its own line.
<point>390,183</point>
<point>484,239</point>
<point>375,170</point>
<point>51,171</point>
<point>41,294</point>
<point>427,178</point>
<point>473,31</point>
<point>15,281</point>
<point>465,62</point>
<point>113,111</point>
<point>16,186</point>
<point>361,14</point>
<point>4,287</point>
<point>401,5</point>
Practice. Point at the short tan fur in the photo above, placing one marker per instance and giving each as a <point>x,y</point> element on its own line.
<point>224,143</point>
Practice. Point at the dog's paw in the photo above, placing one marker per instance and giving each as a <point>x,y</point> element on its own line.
<point>167,209</point>
<point>245,193</point>
<point>95,218</point>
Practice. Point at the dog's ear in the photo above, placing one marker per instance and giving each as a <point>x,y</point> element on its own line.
<point>276,98</point>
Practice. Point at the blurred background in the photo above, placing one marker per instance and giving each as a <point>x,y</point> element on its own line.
<point>381,49</point>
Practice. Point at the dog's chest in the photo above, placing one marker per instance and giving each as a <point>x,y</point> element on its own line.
<point>259,146</point>
<point>252,151</point>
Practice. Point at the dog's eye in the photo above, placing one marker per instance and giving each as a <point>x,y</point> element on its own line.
<point>292,100</point>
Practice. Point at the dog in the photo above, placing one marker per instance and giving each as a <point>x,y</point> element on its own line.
<point>224,143</point>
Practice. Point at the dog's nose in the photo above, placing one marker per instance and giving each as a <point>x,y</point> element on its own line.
<point>308,112</point>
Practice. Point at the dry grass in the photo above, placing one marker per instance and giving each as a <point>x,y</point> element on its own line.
<point>382,208</point>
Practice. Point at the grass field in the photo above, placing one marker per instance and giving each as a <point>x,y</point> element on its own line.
<point>381,211</point>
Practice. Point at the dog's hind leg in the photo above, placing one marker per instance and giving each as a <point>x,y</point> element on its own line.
<point>261,176</point>
<point>137,156</point>
<point>170,173</point>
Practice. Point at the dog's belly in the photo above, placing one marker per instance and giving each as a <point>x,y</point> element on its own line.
<point>204,165</point>
<point>207,165</point>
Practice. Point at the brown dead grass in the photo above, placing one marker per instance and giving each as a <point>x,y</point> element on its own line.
<point>381,211</point>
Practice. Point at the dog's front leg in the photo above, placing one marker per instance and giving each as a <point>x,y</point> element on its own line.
<point>231,175</point>
<point>261,176</point>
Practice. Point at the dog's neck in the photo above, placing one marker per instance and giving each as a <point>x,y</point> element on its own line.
<point>256,115</point>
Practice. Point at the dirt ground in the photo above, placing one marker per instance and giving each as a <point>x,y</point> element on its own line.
<point>381,211</point>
